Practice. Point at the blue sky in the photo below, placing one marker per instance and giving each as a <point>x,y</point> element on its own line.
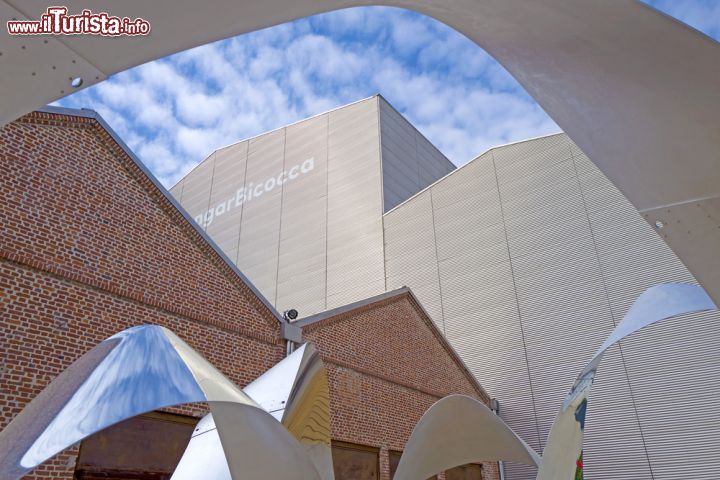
<point>175,111</point>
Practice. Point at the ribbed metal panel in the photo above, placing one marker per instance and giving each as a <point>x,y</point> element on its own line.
<point>539,256</point>
<point>410,253</point>
<point>355,267</point>
<point>462,215</point>
<point>611,429</point>
<point>561,292</point>
<point>176,190</point>
<point>401,173</point>
<point>306,239</point>
<point>228,177</point>
<point>525,258</point>
<point>671,364</point>
<point>432,163</point>
<point>525,158</point>
<point>260,226</point>
<point>409,161</point>
<point>302,264</point>
<point>196,191</point>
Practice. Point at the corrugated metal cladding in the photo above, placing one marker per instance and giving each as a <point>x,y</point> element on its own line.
<point>409,161</point>
<point>526,258</point>
<point>299,209</point>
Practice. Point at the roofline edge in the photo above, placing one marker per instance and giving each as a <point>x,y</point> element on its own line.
<point>88,113</point>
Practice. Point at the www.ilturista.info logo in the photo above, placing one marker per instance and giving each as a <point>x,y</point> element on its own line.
<point>56,21</point>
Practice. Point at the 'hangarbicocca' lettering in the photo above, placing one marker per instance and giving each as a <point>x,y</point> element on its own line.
<point>251,191</point>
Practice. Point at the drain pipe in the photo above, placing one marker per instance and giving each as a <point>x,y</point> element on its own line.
<point>495,407</point>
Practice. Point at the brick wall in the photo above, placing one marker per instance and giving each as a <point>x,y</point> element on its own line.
<point>90,246</point>
<point>387,364</point>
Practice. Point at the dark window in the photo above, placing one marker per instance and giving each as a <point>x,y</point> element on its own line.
<point>355,462</point>
<point>147,447</point>
<point>394,457</point>
<point>465,472</point>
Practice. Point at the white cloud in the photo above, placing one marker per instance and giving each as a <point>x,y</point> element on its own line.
<point>324,58</point>
<point>163,159</point>
<point>267,62</point>
<point>175,111</point>
<point>199,109</point>
<point>198,142</point>
<point>411,33</point>
<point>704,15</point>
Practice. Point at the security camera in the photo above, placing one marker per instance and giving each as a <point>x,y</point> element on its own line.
<point>290,314</point>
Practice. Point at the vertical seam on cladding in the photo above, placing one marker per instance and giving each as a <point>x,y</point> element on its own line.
<point>437,261</point>
<point>212,181</point>
<point>517,299</point>
<point>417,164</point>
<point>282,196</point>
<point>242,207</point>
<point>382,190</point>
<point>612,314</point>
<point>182,190</point>
<point>327,201</point>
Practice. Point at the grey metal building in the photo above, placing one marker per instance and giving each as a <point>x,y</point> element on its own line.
<point>299,209</point>
<point>526,257</point>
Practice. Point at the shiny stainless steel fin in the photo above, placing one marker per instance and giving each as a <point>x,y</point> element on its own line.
<point>135,371</point>
<point>295,392</point>
<point>564,444</point>
<point>457,430</point>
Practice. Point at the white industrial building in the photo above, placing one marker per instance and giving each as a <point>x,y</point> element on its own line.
<point>525,257</point>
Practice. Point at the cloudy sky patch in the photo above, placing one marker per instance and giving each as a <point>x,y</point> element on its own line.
<point>175,111</point>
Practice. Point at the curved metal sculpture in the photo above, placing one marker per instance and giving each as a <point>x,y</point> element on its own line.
<point>295,392</point>
<point>307,411</point>
<point>458,430</point>
<point>135,371</point>
<point>149,367</point>
<point>204,456</point>
<point>564,443</point>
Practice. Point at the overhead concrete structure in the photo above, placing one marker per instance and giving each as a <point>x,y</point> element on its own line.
<point>637,91</point>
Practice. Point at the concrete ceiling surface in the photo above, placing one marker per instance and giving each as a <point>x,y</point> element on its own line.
<point>637,91</point>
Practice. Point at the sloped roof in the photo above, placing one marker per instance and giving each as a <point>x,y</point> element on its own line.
<point>189,224</point>
<point>348,312</point>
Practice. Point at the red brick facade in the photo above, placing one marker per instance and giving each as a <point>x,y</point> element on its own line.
<point>387,364</point>
<point>89,245</point>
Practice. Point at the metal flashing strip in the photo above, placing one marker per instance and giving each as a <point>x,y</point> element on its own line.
<point>318,317</point>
